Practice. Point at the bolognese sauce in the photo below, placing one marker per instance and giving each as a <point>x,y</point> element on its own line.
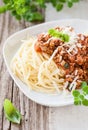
<point>71,56</point>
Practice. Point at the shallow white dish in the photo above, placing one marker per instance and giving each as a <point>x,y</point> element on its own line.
<point>13,43</point>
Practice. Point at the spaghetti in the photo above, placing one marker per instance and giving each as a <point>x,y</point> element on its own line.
<point>38,71</point>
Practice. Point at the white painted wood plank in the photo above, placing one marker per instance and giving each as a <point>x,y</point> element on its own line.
<point>68,118</point>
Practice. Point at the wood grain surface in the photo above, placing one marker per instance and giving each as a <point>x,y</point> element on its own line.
<point>34,116</point>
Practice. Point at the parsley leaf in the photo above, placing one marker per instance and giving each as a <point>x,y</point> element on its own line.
<point>84,84</point>
<point>57,34</point>
<point>12,114</point>
<point>59,6</point>
<point>85,102</point>
<point>85,89</point>
<point>76,93</point>
<point>29,10</point>
<point>77,102</point>
<point>70,4</point>
<point>80,97</point>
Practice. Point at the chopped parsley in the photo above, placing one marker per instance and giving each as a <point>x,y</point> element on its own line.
<point>66,65</point>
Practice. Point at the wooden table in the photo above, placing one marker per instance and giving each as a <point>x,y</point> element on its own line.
<point>34,116</point>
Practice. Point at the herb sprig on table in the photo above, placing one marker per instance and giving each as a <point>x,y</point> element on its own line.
<point>12,114</point>
<point>29,10</point>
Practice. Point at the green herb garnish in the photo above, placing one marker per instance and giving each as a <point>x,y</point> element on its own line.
<point>57,34</point>
<point>80,98</point>
<point>12,114</point>
<point>66,65</point>
<point>84,84</point>
<point>29,10</point>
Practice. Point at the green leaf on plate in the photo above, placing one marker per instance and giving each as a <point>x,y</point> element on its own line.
<point>85,89</point>
<point>84,84</point>
<point>81,97</point>
<point>65,37</point>
<point>76,93</point>
<point>77,102</point>
<point>57,34</point>
<point>85,102</point>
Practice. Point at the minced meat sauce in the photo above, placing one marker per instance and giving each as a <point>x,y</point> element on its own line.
<point>72,56</point>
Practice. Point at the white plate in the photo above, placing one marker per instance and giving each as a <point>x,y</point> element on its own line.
<point>13,43</point>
